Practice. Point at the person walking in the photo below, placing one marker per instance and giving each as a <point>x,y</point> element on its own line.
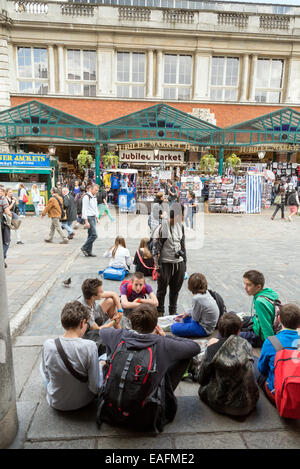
<point>71,212</point>
<point>23,198</point>
<point>35,198</point>
<point>13,207</point>
<point>169,254</point>
<point>54,208</point>
<point>5,230</point>
<point>89,215</point>
<point>102,203</point>
<point>293,203</point>
<point>279,201</point>
<point>191,209</point>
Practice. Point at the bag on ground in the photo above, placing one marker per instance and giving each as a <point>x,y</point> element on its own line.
<point>113,273</point>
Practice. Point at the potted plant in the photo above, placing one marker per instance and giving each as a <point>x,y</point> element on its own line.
<point>110,160</point>
<point>84,160</point>
<point>208,163</point>
<point>233,162</point>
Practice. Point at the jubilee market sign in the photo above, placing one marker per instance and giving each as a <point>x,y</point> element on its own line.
<point>148,156</point>
<point>159,144</point>
<point>277,147</point>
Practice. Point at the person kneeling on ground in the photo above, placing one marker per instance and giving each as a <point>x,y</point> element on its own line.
<point>64,390</point>
<point>152,380</point>
<point>226,376</point>
<point>202,319</point>
<point>106,314</point>
<point>135,291</point>
<point>259,325</point>
<point>288,337</point>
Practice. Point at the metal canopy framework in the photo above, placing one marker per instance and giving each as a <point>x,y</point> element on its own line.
<point>281,126</point>
<point>158,122</point>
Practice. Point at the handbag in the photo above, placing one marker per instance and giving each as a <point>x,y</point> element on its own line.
<point>25,199</point>
<point>154,272</point>
<point>63,211</point>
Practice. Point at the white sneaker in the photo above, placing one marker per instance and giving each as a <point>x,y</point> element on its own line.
<point>289,218</point>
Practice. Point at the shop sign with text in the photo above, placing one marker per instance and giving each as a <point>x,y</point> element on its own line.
<point>147,156</point>
<point>24,160</point>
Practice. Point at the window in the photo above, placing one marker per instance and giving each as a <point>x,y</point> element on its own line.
<point>81,72</point>
<point>268,84</point>
<point>224,79</point>
<point>32,70</point>
<point>131,69</point>
<point>177,77</point>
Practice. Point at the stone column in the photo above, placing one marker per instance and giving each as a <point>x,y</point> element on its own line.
<point>61,70</point>
<point>105,71</point>
<point>4,76</point>
<point>159,74</point>
<point>253,78</point>
<point>202,63</point>
<point>13,69</point>
<point>8,410</point>
<point>244,83</point>
<point>149,93</point>
<point>51,70</point>
<point>286,98</point>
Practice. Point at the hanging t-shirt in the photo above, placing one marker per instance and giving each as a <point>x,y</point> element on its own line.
<point>107,180</point>
<point>115,181</point>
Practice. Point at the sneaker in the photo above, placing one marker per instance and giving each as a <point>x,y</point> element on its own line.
<point>289,218</point>
<point>5,265</point>
<point>48,241</point>
<point>64,241</point>
<point>71,236</point>
<point>92,255</point>
<point>20,242</point>
<point>85,252</point>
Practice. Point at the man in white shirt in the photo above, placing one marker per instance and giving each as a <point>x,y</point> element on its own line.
<point>90,217</point>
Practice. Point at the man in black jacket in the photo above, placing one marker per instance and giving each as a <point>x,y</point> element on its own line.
<point>169,254</point>
<point>71,212</point>
<point>172,355</point>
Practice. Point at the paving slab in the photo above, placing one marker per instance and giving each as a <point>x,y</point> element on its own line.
<point>229,440</point>
<point>62,444</point>
<point>25,411</point>
<point>136,442</point>
<point>24,360</point>
<point>272,440</point>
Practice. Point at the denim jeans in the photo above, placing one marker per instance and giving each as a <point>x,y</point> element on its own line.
<point>67,225</point>
<point>22,207</point>
<point>36,208</point>
<point>92,235</point>
<point>188,328</point>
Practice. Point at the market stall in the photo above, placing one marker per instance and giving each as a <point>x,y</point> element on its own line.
<point>122,183</point>
<point>28,169</point>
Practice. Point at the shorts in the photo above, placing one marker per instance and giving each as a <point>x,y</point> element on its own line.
<point>293,209</point>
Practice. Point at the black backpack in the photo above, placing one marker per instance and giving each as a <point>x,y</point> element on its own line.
<point>220,302</point>
<point>126,388</point>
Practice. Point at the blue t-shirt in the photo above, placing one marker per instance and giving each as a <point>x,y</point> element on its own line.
<point>289,339</point>
<point>115,181</point>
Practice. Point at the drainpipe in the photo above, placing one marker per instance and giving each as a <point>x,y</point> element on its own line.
<point>221,160</point>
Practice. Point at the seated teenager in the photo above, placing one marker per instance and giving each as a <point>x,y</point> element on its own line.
<point>119,254</point>
<point>259,325</point>
<point>135,292</point>
<point>65,391</point>
<point>226,376</point>
<point>169,357</point>
<point>143,259</point>
<point>202,319</point>
<point>289,339</point>
<point>106,314</point>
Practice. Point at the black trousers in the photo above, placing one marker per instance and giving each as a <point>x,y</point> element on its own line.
<point>276,210</point>
<point>172,276</point>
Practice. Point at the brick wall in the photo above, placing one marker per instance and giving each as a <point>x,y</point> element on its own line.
<point>99,111</point>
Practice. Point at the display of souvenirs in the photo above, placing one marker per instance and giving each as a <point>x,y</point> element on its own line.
<point>227,195</point>
<point>148,185</point>
<point>283,169</point>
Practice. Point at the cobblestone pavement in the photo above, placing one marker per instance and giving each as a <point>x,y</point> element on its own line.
<point>226,246</point>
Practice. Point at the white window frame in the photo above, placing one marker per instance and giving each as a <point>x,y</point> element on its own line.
<point>178,85</point>
<point>81,82</point>
<point>32,79</point>
<point>269,90</point>
<point>223,87</point>
<point>131,84</point>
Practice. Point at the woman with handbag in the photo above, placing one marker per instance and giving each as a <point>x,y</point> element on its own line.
<point>143,259</point>
<point>13,207</point>
<point>279,202</point>
<point>23,199</point>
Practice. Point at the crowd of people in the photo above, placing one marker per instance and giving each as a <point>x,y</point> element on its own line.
<point>286,194</point>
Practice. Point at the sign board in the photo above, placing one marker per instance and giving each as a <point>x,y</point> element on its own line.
<point>147,156</point>
<point>165,175</point>
<point>25,160</point>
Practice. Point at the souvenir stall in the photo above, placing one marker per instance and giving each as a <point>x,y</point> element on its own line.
<point>122,183</point>
<point>227,195</point>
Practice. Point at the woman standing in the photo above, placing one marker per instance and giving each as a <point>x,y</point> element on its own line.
<point>119,254</point>
<point>22,195</point>
<point>191,209</point>
<point>35,198</point>
<point>293,202</point>
<point>279,201</point>
<point>13,207</point>
<point>158,211</point>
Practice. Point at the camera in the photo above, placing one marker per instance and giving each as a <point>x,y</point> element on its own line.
<point>179,254</point>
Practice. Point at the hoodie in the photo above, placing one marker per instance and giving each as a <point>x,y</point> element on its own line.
<point>169,350</point>
<point>263,313</point>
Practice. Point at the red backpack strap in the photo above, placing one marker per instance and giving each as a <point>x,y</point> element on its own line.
<point>129,286</point>
<point>141,260</point>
